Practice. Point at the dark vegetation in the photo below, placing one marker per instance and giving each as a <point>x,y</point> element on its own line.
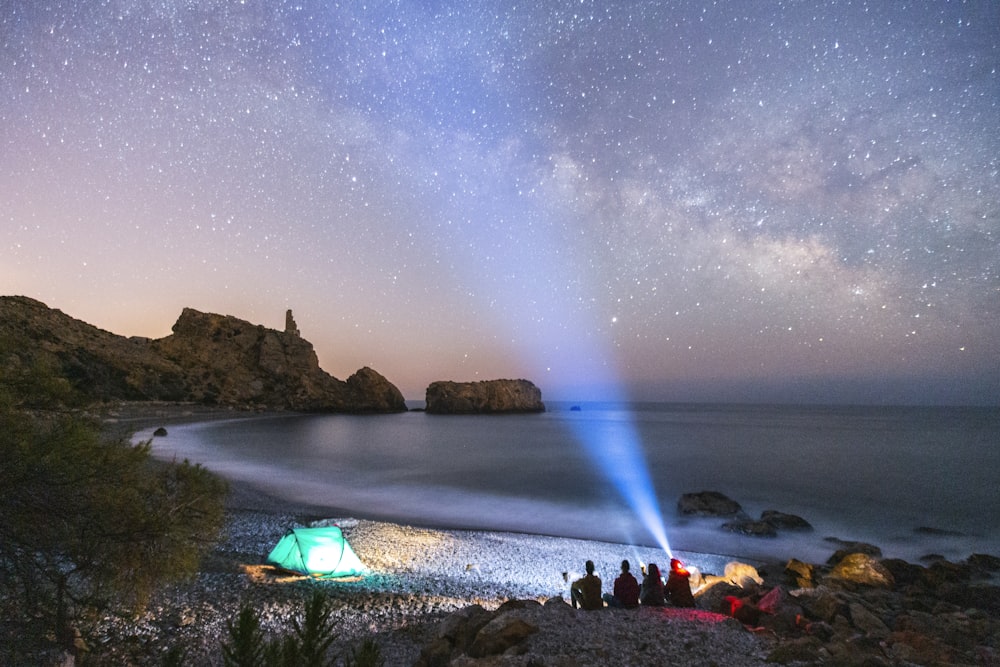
<point>90,523</point>
<point>308,645</point>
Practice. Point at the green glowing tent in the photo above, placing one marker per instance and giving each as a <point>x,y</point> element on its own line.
<point>321,552</point>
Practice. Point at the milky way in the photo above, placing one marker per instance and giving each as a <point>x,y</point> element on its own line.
<point>706,201</point>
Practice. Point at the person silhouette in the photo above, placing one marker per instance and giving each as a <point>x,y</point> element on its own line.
<point>679,585</point>
<point>626,590</point>
<point>586,591</point>
<point>651,592</point>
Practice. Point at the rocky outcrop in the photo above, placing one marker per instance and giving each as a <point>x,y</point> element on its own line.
<point>485,397</point>
<point>209,359</point>
<point>861,610</point>
<point>715,504</point>
<point>708,503</point>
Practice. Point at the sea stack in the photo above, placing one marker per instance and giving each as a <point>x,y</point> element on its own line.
<point>484,397</point>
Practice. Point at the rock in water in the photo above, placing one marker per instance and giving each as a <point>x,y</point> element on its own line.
<point>485,397</point>
<point>708,503</point>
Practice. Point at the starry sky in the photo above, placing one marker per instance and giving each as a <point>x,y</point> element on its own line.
<point>690,201</point>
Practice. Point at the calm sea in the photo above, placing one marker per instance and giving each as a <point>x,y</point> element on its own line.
<point>914,481</point>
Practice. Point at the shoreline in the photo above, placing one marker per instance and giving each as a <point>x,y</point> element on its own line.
<point>698,534</point>
<point>423,579</point>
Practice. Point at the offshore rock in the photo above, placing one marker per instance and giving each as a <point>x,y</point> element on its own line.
<point>209,359</point>
<point>484,397</point>
<point>708,503</point>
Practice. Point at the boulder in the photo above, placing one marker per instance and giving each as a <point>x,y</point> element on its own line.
<point>783,521</point>
<point>708,503</point>
<point>751,528</point>
<point>484,397</point>
<point>866,621</point>
<point>500,634</point>
<point>743,575</point>
<point>820,604</point>
<point>455,635</point>
<point>800,572</point>
<point>860,568</point>
<point>850,547</point>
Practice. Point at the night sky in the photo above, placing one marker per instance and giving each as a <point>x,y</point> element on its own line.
<point>748,201</point>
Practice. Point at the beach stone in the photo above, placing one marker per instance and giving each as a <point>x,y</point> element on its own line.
<point>461,627</point>
<point>860,568</point>
<point>708,503</point>
<point>781,614</point>
<point>943,572</point>
<point>904,573</point>
<point>712,597</point>
<point>797,650</point>
<point>819,603</point>
<point>848,547</point>
<point>500,634</point>
<point>867,622</point>
<point>435,654</point>
<point>772,601</point>
<point>909,647</point>
<point>800,572</point>
<point>743,610</point>
<point>743,575</point>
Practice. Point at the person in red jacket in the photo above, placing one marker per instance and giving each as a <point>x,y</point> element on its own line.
<point>679,585</point>
<point>626,590</point>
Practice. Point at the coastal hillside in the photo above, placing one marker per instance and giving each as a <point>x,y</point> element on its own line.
<point>208,359</point>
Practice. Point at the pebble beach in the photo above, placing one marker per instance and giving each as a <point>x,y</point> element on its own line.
<point>418,577</point>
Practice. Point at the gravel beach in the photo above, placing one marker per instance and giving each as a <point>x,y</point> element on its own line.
<point>417,577</point>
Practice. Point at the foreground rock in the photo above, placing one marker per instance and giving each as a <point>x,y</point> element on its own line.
<point>485,397</point>
<point>859,610</point>
<point>209,359</point>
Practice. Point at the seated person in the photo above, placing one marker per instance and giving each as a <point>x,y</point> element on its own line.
<point>626,593</point>
<point>651,594</point>
<point>586,591</point>
<point>679,585</point>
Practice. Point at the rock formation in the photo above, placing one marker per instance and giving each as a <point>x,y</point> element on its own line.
<point>485,397</point>
<point>708,503</point>
<point>209,359</point>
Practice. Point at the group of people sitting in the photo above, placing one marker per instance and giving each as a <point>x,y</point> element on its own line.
<point>585,592</point>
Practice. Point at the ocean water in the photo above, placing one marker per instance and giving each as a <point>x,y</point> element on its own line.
<point>914,481</point>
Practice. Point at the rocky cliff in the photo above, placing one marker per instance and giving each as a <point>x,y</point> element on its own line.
<point>210,359</point>
<point>488,396</point>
